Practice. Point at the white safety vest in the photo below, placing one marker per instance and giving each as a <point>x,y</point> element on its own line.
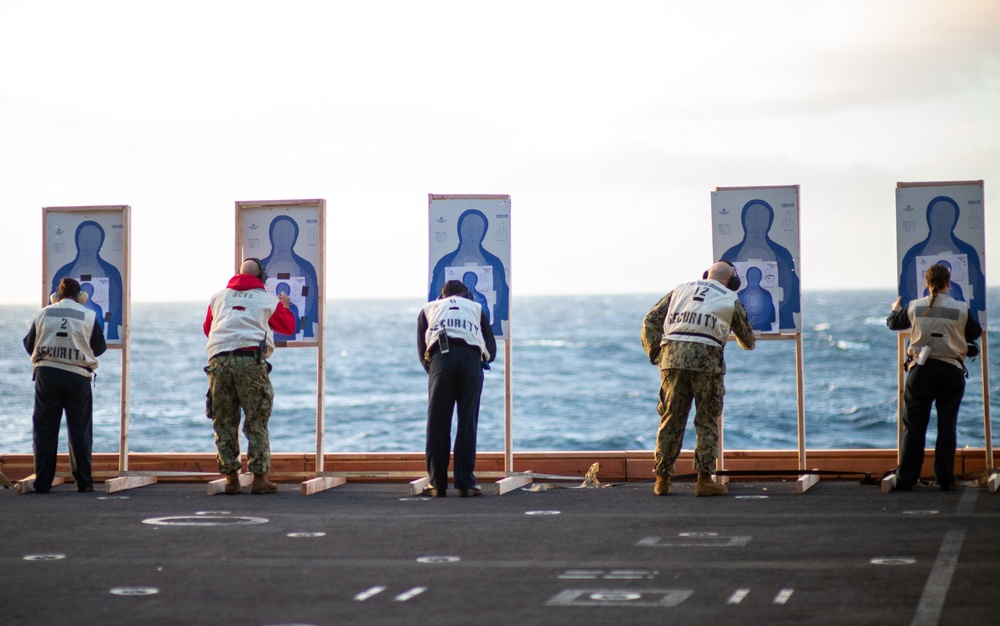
<point>943,328</point>
<point>459,317</point>
<point>700,312</point>
<point>239,320</point>
<point>62,338</point>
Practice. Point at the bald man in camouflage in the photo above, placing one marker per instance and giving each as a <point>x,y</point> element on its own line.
<point>685,334</point>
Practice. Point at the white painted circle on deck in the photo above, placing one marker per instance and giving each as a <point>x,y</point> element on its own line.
<point>928,512</point>
<point>893,561</point>
<point>44,557</point>
<point>618,596</point>
<point>543,512</point>
<point>316,534</point>
<point>134,591</point>
<point>698,534</point>
<point>438,559</point>
<point>112,497</point>
<point>204,520</point>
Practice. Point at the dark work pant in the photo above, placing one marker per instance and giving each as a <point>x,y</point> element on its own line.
<point>56,391</point>
<point>942,385</point>
<point>456,378</point>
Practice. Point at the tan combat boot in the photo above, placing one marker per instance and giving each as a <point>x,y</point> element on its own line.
<point>262,485</point>
<point>705,486</point>
<point>662,486</point>
<point>232,483</point>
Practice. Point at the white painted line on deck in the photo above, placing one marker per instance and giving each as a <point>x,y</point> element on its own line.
<point>406,595</point>
<point>939,581</point>
<point>44,557</point>
<point>134,591</point>
<point>783,596</point>
<point>367,593</point>
<point>738,596</point>
<point>438,559</point>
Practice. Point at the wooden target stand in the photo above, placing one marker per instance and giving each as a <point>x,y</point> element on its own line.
<point>992,479</point>
<point>805,481</point>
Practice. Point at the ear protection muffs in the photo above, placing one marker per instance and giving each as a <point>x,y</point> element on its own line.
<point>80,297</point>
<point>734,282</point>
<point>262,275</point>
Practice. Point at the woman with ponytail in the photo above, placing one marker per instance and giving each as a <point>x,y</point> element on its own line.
<point>942,336</point>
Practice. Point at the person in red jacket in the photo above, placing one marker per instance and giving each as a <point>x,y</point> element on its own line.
<point>240,326</point>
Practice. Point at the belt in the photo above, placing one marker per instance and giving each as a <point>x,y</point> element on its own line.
<point>250,352</point>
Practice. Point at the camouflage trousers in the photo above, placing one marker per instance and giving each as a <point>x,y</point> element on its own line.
<point>235,383</point>
<point>678,388</point>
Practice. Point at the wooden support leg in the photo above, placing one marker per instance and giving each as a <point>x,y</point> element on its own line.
<point>888,483</point>
<point>113,485</point>
<point>218,486</point>
<point>511,483</point>
<point>321,483</point>
<point>418,485</point>
<point>28,484</point>
<point>805,481</point>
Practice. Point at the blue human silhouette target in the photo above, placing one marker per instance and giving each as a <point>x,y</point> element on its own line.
<point>758,294</point>
<point>89,244</point>
<point>470,242</point>
<point>942,223</point>
<point>287,237</point>
<point>757,229</point>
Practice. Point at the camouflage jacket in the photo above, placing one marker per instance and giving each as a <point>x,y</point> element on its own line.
<point>690,355</point>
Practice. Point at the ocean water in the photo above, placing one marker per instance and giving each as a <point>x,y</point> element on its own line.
<point>580,381</point>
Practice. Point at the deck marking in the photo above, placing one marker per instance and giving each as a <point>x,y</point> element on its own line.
<point>134,591</point>
<point>415,499</point>
<point>406,595</point>
<point>738,596</point>
<point>783,596</point>
<point>543,512</point>
<point>939,580</point>
<point>615,574</point>
<point>112,497</point>
<point>752,497</point>
<point>204,520</point>
<point>212,512</point>
<point>707,540</point>
<point>315,534</point>
<point>927,512</point>
<point>44,557</point>
<point>438,559</point>
<point>888,560</point>
<point>621,597</point>
<point>367,593</point>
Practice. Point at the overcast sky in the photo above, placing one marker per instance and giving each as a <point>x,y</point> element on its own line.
<point>608,123</point>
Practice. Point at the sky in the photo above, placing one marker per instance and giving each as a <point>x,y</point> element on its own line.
<point>608,123</point>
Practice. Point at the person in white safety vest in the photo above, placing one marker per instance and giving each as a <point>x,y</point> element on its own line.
<point>944,332</point>
<point>685,334</point>
<point>64,342</point>
<point>455,344</point>
<point>240,326</point>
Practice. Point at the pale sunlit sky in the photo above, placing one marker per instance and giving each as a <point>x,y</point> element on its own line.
<point>608,123</point>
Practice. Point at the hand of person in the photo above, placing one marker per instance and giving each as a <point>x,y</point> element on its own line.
<point>284,299</point>
<point>896,305</point>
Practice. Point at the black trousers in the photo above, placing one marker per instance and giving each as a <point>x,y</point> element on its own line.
<point>56,391</point>
<point>456,379</point>
<point>942,385</point>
